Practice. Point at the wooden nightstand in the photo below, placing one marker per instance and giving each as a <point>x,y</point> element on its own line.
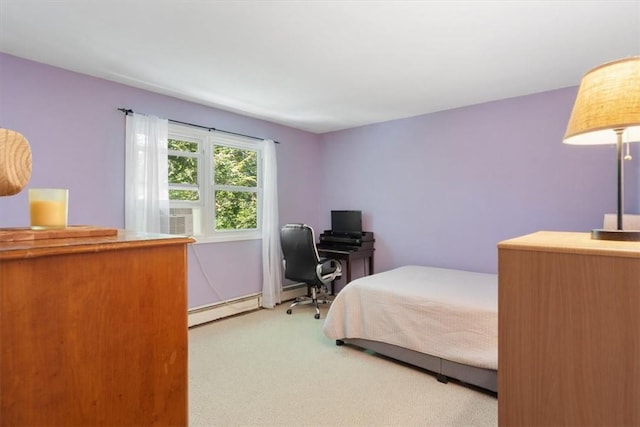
<point>569,331</point>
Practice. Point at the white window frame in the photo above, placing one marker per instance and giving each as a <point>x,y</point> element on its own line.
<point>207,140</point>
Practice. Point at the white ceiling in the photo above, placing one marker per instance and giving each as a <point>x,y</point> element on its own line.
<point>326,65</point>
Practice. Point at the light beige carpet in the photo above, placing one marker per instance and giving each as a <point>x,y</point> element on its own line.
<point>267,368</point>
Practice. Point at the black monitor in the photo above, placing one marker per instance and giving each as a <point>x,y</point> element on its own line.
<point>346,222</point>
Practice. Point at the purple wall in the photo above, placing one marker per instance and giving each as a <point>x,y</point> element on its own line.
<point>77,142</point>
<point>443,189</point>
<point>440,189</point>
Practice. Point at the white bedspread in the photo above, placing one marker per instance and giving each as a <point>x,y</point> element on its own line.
<point>451,314</point>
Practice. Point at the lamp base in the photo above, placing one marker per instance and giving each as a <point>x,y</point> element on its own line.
<point>619,235</point>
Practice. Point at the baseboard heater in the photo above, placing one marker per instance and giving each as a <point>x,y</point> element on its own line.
<point>209,313</point>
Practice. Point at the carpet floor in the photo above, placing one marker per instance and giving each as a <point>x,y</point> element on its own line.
<point>267,368</point>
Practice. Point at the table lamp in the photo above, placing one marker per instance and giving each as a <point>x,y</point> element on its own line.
<point>607,111</point>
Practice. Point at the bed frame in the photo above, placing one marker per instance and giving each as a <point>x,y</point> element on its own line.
<point>444,369</point>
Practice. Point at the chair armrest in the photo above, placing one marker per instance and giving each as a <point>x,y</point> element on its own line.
<point>330,264</point>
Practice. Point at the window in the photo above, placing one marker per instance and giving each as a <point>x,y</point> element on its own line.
<point>214,184</point>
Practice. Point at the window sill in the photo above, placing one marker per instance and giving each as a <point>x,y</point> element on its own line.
<point>232,237</point>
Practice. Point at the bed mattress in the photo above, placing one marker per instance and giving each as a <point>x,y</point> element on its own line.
<point>451,314</point>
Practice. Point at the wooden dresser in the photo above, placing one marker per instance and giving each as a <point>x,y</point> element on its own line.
<point>569,331</point>
<point>94,331</point>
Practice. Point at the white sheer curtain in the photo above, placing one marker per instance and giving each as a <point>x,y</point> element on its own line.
<point>146,174</point>
<point>271,252</point>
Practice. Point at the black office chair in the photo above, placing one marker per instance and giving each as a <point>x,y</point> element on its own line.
<point>302,264</point>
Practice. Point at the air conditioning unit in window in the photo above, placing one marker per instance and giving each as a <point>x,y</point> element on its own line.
<point>181,221</point>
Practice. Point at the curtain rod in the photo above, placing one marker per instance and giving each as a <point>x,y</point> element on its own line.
<point>128,111</point>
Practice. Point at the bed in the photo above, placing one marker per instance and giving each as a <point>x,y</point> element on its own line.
<point>442,320</point>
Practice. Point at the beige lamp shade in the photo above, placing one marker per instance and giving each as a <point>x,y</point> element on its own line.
<point>15,162</point>
<point>608,99</point>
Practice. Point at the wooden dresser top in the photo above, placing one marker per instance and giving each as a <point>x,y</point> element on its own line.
<point>571,242</point>
<point>54,246</point>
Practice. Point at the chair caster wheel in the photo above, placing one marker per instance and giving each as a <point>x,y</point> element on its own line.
<point>289,311</point>
<point>317,316</point>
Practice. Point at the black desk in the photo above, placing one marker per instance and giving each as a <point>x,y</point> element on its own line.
<point>348,256</point>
